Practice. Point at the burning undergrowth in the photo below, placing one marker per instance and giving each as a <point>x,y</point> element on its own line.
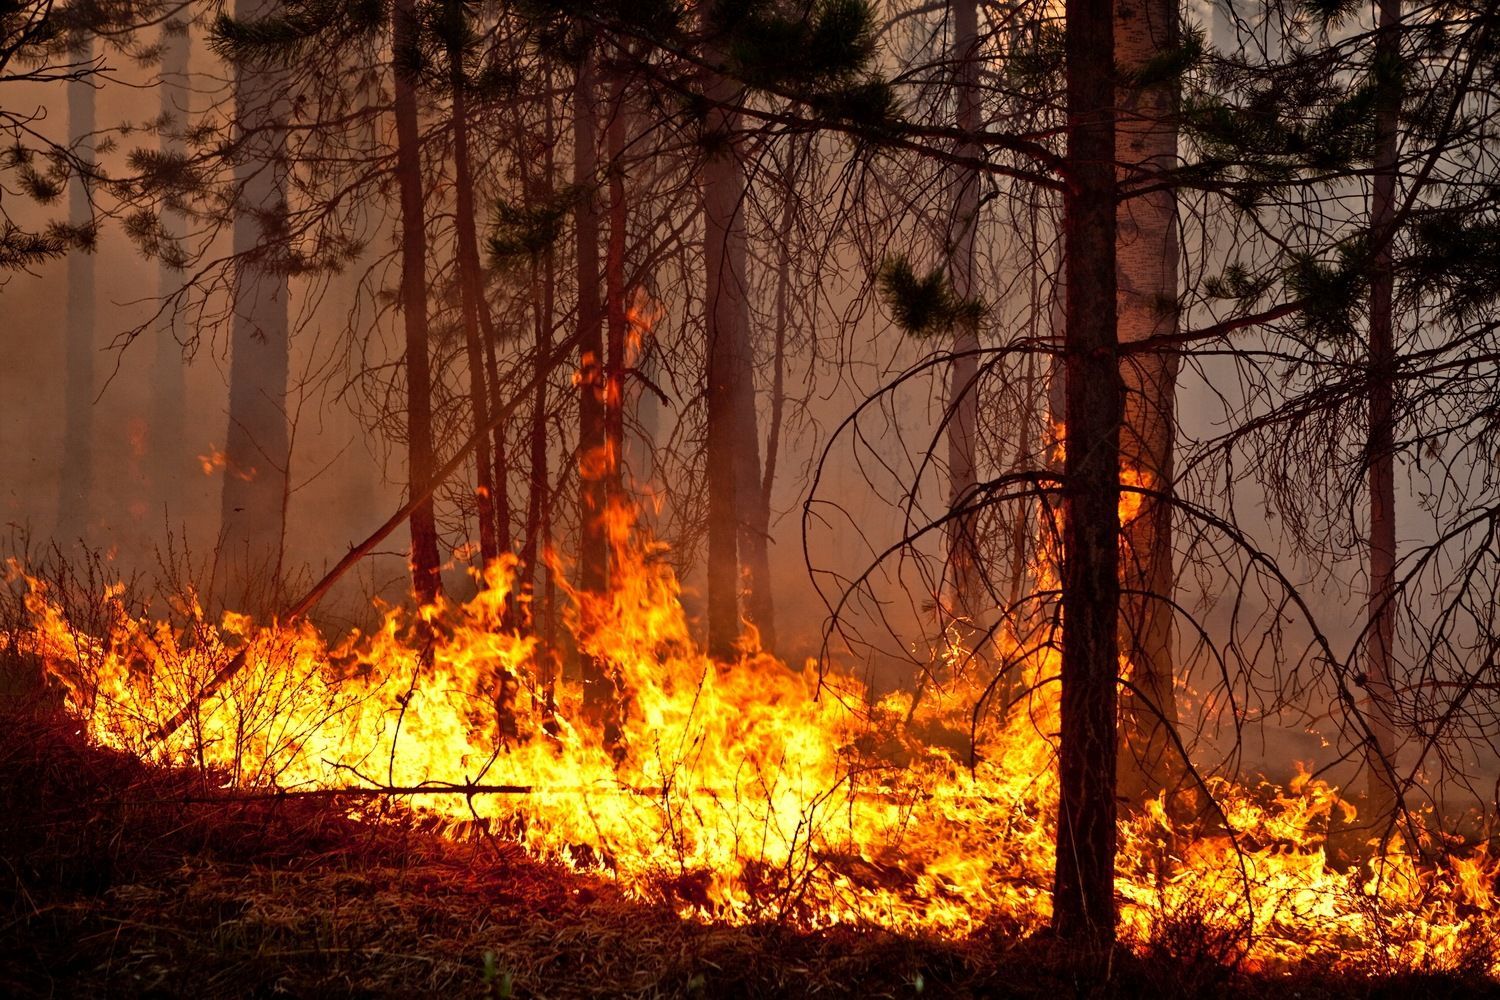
<point>745,794</point>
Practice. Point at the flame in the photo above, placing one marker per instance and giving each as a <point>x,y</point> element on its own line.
<point>214,460</point>
<point>749,790</point>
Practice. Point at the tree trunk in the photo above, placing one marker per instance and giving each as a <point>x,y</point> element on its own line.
<point>1146,249</point>
<point>257,448</point>
<point>761,514</point>
<point>471,293</point>
<point>425,565</point>
<point>77,487</point>
<point>598,687</point>
<point>170,460</point>
<point>538,485</point>
<point>752,515</point>
<point>615,296</point>
<point>1083,897</point>
<point>1380,633</point>
<point>501,473</point>
<point>538,492</point>
<point>592,550</point>
<point>724,265</point>
<point>964,582</point>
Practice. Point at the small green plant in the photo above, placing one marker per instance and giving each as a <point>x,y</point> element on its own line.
<point>498,982</point>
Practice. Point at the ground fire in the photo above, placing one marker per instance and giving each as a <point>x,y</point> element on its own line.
<point>750,498</point>
<point>750,790</point>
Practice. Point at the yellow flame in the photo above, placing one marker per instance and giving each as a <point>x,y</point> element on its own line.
<point>746,790</point>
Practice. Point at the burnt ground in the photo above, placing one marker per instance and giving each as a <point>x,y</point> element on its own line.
<point>122,879</point>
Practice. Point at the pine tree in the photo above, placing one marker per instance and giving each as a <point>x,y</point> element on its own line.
<point>1083,895</point>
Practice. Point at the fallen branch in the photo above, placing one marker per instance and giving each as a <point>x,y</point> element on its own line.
<point>361,791</point>
<point>308,600</point>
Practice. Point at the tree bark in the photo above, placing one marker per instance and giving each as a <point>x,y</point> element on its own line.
<point>615,297</point>
<point>761,514</point>
<point>425,564</point>
<point>1083,897</point>
<point>592,550</point>
<point>77,484</point>
<point>752,514</point>
<point>166,435</point>
<point>1147,251</point>
<point>496,441</point>
<point>598,686</point>
<point>538,491</point>
<point>257,447</point>
<point>471,294</point>
<point>964,582</point>
<point>471,290</point>
<point>1380,632</point>
<point>724,263</point>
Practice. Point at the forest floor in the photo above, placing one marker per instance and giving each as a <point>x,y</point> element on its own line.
<point>121,879</point>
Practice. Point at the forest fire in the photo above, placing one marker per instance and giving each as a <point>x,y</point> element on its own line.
<point>753,790</point>
<point>750,499</point>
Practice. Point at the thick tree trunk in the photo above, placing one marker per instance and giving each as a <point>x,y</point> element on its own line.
<point>425,564</point>
<point>471,294</point>
<point>77,486</point>
<point>1380,636</point>
<point>1146,250</point>
<point>166,439</point>
<point>964,582</point>
<point>1083,898</point>
<point>257,448</point>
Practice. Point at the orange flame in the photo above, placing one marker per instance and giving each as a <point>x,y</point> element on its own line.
<point>214,460</point>
<point>746,790</point>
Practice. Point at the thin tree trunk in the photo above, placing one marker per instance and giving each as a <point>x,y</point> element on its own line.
<point>1083,897</point>
<point>965,585</point>
<point>615,295</point>
<point>539,516</point>
<point>1381,626</point>
<point>538,492</point>
<point>166,437</point>
<point>471,290</point>
<point>752,515</point>
<point>77,487</point>
<point>598,686</point>
<point>257,447</point>
<point>724,258</point>
<point>592,550</point>
<point>1146,250</point>
<point>425,565</point>
<point>761,520</point>
<point>545,283</point>
<point>501,474</point>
